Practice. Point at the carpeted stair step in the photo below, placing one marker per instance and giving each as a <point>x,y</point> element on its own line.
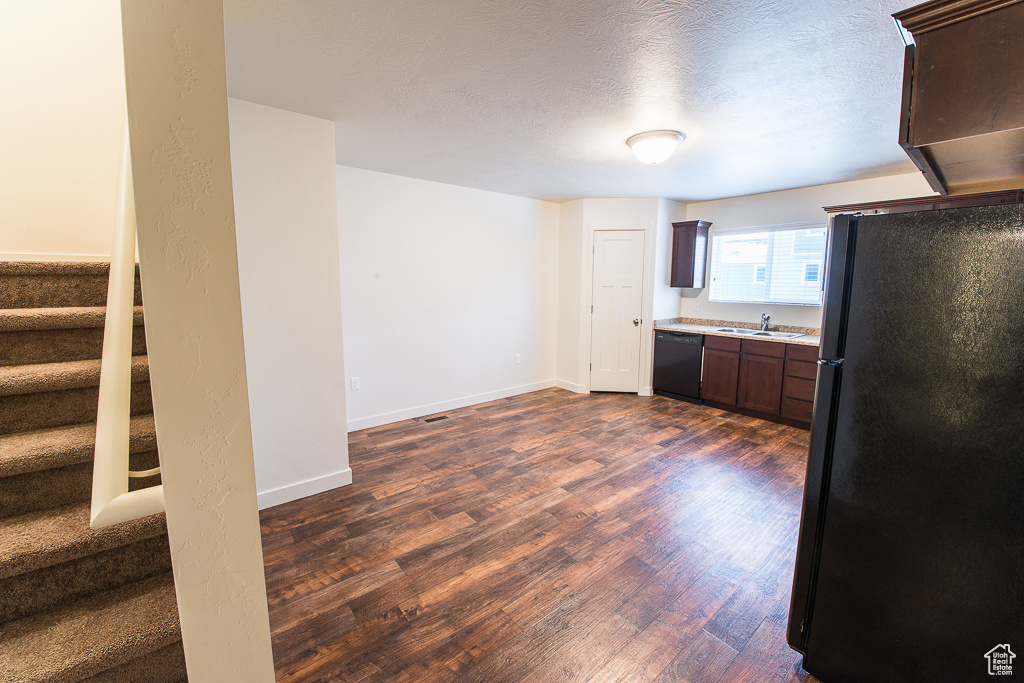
<point>46,489</point>
<point>52,556</point>
<point>63,446</point>
<point>51,335</point>
<point>31,284</point>
<point>127,634</point>
<point>166,665</point>
<point>54,394</point>
<point>49,587</point>
<point>53,467</point>
<point>49,537</point>
<point>40,377</point>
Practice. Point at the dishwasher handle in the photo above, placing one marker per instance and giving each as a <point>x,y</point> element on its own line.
<point>663,336</point>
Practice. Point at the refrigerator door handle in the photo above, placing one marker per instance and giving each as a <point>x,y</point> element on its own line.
<point>837,363</point>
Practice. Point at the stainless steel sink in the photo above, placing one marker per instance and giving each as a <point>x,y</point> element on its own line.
<point>758,333</point>
<point>777,335</point>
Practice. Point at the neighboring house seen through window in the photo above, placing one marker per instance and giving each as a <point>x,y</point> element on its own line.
<point>780,264</point>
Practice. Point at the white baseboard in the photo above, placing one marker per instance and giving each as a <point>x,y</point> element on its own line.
<point>569,386</point>
<point>19,256</point>
<point>429,409</point>
<point>286,494</point>
<point>646,391</point>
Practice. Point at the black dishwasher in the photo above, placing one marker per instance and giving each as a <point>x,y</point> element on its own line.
<point>677,363</point>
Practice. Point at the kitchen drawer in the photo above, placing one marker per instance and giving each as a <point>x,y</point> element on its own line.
<point>796,368</point>
<point>763,348</point>
<point>801,352</point>
<point>795,387</point>
<point>796,409</point>
<point>721,343</point>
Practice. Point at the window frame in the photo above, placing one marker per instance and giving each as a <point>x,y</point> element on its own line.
<point>824,223</point>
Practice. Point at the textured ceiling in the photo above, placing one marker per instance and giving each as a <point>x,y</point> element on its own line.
<point>536,98</point>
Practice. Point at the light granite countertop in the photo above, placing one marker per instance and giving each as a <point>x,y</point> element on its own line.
<point>809,336</point>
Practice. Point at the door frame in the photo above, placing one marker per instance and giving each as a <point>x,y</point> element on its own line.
<point>646,325</point>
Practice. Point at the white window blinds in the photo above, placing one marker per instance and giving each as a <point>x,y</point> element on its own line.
<point>778,264</point>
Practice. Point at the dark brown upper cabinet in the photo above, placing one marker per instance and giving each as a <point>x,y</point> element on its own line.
<point>963,94</point>
<point>689,254</point>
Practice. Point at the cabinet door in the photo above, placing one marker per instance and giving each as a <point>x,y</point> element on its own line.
<point>760,383</point>
<point>689,253</point>
<point>721,371</point>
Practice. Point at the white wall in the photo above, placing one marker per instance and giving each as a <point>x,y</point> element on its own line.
<point>571,296</point>
<point>62,85</point>
<point>665,297</point>
<point>286,220</point>
<point>441,287</point>
<point>788,206</point>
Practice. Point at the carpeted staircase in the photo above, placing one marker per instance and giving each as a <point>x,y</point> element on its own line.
<point>75,604</point>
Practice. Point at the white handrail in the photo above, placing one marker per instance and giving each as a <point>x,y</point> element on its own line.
<point>111,500</point>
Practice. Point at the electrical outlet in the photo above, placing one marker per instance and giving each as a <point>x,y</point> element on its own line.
<point>355,384</point>
<point>519,358</point>
<point>696,308</point>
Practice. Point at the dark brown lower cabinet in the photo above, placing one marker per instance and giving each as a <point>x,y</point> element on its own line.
<point>721,370</point>
<point>798,387</point>
<point>760,383</point>
<point>770,380</point>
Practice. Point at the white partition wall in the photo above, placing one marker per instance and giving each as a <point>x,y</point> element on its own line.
<point>286,224</point>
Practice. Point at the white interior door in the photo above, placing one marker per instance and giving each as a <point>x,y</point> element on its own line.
<point>615,323</point>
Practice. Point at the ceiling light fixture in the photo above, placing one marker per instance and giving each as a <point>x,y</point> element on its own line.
<point>654,146</point>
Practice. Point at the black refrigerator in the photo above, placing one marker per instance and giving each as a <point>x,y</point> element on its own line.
<point>910,560</point>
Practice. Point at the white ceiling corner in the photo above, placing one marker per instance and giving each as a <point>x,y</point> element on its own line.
<point>537,98</point>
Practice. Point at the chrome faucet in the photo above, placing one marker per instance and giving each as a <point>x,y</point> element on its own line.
<point>765,319</point>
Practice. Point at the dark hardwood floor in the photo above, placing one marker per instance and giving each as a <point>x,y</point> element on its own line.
<point>545,537</point>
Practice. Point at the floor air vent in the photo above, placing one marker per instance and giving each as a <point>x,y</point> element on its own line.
<point>436,419</point>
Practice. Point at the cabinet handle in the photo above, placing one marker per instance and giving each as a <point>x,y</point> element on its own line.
<point>636,322</point>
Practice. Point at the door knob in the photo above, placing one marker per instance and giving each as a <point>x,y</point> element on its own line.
<point>636,322</point>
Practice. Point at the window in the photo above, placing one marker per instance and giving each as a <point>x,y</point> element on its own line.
<point>780,264</point>
<point>806,242</point>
